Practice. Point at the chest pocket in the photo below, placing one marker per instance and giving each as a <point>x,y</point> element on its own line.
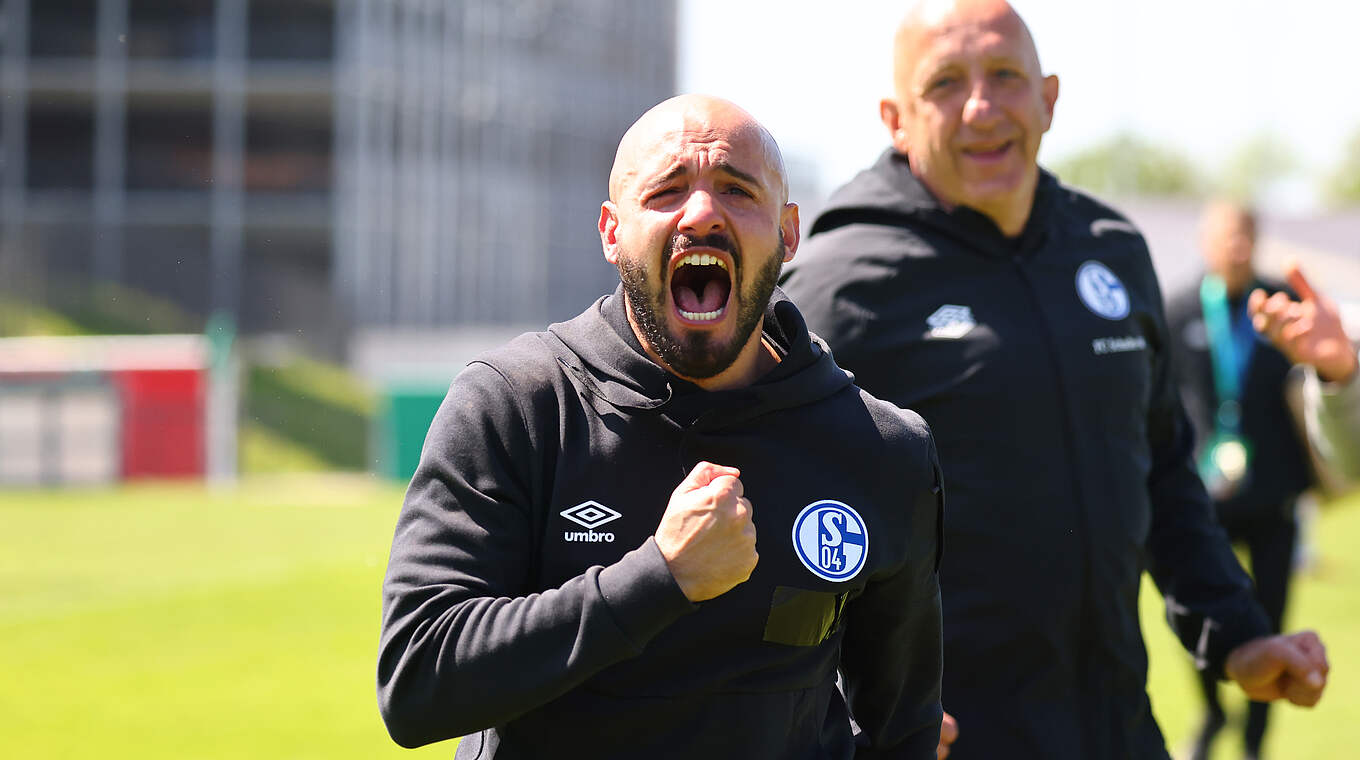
<point>802,618</point>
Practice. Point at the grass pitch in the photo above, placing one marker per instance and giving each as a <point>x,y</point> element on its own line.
<point>1325,597</point>
<point>174,621</point>
<point>177,621</point>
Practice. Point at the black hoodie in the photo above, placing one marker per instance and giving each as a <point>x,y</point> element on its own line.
<point>1280,469</point>
<point>527,605</point>
<point>1041,363</point>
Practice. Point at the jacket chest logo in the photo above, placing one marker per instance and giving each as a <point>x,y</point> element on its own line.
<point>951,322</point>
<point>589,515</point>
<point>831,540</point>
<point>1101,291</point>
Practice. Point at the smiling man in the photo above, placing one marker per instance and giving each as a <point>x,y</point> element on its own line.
<point>574,572</point>
<point>1024,322</point>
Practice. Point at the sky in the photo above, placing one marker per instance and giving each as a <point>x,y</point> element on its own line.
<point>1201,76</point>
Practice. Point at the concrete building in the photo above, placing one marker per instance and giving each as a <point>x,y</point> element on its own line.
<point>315,167</point>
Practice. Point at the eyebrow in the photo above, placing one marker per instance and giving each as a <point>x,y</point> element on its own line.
<point>679,170</point>
<point>728,168</point>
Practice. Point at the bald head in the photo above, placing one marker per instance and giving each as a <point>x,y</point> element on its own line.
<point>970,106</point>
<point>698,223</point>
<point>1224,212</point>
<point>929,19</point>
<point>690,117</point>
<point>1228,243</point>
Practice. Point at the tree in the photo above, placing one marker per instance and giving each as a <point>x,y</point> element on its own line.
<point>1342,187</point>
<point>1129,165</point>
<point>1255,166</point>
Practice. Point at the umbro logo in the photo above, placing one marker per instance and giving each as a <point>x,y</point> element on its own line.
<point>589,515</point>
<point>951,321</point>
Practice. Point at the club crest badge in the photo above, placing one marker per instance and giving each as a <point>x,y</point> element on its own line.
<point>830,540</point>
<point>1101,291</point>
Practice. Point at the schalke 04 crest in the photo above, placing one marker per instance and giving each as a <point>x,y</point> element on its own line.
<point>830,540</point>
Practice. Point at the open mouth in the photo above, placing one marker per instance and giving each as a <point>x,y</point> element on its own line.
<point>700,286</point>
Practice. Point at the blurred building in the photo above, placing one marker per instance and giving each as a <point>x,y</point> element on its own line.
<point>316,167</point>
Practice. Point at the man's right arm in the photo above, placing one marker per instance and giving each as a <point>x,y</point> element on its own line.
<point>1209,599</point>
<point>1332,413</point>
<point>464,645</point>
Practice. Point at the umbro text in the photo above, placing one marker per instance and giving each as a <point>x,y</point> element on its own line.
<point>589,536</point>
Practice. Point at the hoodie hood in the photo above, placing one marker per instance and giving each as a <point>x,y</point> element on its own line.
<point>887,193</point>
<point>605,362</point>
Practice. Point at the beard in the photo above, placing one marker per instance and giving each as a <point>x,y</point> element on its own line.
<point>698,354</point>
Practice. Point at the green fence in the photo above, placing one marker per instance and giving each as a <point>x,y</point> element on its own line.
<point>407,411</point>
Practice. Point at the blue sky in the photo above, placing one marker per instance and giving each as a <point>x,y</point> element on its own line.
<point>1203,76</point>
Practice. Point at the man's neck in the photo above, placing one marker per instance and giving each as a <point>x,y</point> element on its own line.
<point>1009,214</point>
<point>1012,222</point>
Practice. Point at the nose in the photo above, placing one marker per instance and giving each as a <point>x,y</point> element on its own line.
<point>700,215</point>
<point>979,109</point>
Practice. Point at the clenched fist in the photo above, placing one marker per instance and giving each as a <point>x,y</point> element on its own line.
<point>706,535</point>
<point>1288,666</point>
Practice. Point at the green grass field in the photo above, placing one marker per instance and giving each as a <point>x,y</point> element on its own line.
<point>1325,598</point>
<point>174,621</point>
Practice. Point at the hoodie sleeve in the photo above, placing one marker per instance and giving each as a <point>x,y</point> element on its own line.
<point>1332,413</point>
<point>1209,599</point>
<point>466,642</point>
<point>892,654</point>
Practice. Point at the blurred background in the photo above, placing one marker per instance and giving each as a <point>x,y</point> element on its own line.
<point>245,246</point>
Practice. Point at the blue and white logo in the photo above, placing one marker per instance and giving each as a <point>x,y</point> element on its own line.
<point>1101,291</point>
<point>830,540</point>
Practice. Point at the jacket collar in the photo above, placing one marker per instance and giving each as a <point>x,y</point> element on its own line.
<point>888,193</point>
<point>605,360</point>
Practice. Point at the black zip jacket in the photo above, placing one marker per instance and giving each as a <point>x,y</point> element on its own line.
<point>527,606</point>
<point>1065,446</point>
<point>1279,469</point>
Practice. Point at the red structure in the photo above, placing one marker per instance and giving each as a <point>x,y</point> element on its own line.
<point>90,410</point>
<point>162,422</point>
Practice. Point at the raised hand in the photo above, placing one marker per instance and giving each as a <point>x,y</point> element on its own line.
<point>1307,331</point>
<point>706,534</point>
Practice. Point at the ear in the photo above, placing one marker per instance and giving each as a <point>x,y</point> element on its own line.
<point>890,113</point>
<point>788,225</point>
<point>1050,95</point>
<point>609,229</point>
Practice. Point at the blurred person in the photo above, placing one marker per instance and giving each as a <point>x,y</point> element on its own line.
<point>1250,455</point>
<point>574,572</point>
<point>1023,320</point>
<point>1310,332</point>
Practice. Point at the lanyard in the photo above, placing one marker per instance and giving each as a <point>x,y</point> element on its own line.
<point>1228,352</point>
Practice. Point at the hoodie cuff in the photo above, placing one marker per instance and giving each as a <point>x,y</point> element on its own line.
<point>1337,396</point>
<point>642,593</point>
<point>1250,624</point>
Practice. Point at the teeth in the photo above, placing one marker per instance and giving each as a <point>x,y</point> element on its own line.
<point>701,260</point>
<point>701,316</point>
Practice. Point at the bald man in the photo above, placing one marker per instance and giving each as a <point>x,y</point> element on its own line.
<point>575,570</point>
<point>1024,322</point>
